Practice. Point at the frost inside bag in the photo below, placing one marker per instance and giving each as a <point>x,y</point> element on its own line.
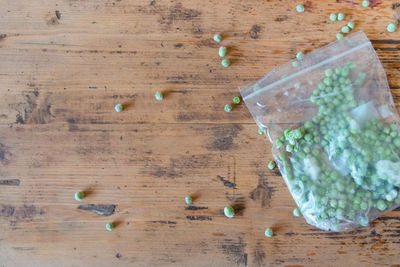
<point>334,130</point>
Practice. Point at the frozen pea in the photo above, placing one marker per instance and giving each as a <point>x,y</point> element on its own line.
<point>159,96</point>
<point>300,8</point>
<point>333,17</point>
<point>229,211</point>
<point>225,63</point>
<point>300,56</point>
<point>345,29</point>
<point>271,165</point>
<point>269,232</point>
<point>110,226</point>
<point>217,38</point>
<point>339,36</point>
<point>328,72</point>
<point>222,51</point>
<point>295,64</point>
<point>260,131</point>
<point>118,107</point>
<point>340,16</point>
<point>278,143</point>
<point>236,100</point>
<point>363,220</point>
<point>365,3</point>
<point>396,142</point>
<point>296,212</point>
<point>228,108</point>
<point>391,27</point>
<point>350,25</point>
<point>79,196</point>
<point>289,148</point>
<point>381,205</point>
<point>188,200</point>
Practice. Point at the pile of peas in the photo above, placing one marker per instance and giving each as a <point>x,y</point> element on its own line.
<point>332,198</point>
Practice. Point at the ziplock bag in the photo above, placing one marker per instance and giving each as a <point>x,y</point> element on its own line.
<point>335,135</point>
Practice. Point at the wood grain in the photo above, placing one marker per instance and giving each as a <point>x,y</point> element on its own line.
<point>65,64</point>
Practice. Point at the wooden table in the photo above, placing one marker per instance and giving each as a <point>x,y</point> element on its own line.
<point>65,64</point>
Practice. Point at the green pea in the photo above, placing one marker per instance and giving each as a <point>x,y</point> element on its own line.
<point>295,64</point>
<point>381,205</point>
<point>333,17</point>
<point>222,51</point>
<point>217,38</point>
<point>363,220</point>
<point>79,196</point>
<point>260,131</point>
<point>228,108</point>
<point>289,148</point>
<point>236,100</point>
<point>340,16</point>
<point>286,133</point>
<point>110,226</point>
<point>300,56</point>
<point>271,165</point>
<point>365,3</point>
<point>118,107</point>
<point>300,8</point>
<point>269,232</point>
<point>396,142</point>
<point>159,96</point>
<point>296,212</point>
<point>345,29</point>
<point>226,63</point>
<point>339,36</point>
<point>391,27</point>
<point>279,143</point>
<point>333,203</point>
<point>364,205</point>
<point>351,25</point>
<point>188,200</point>
<point>328,72</point>
<point>229,211</point>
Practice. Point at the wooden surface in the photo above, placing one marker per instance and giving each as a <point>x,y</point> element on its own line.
<point>63,67</point>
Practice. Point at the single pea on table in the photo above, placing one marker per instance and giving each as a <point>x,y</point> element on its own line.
<point>229,211</point>
<point>269,232</point>
<point>188,200</point>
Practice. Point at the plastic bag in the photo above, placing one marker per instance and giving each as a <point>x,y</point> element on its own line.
<point>334,130</point>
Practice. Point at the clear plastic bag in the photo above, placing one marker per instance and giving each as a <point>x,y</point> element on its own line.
<point>334,130</point>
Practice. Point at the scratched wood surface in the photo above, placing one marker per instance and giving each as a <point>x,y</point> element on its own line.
<point>63,67</point>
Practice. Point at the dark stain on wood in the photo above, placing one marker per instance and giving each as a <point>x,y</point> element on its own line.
<point>389,41</point>
<point>58,14</point>
<point>179,13</point>
<point>199,218</point>
<point>118,255</point>
<point>24,213</point>
<point>227,183</point>
<point>195,208</point>
<point>255,30</point>
<point>235,250</point>
<point>259,255</point>
<point>100,209</point>
<point>223,136</point>
<point>281,18</point>
<point>19,119</point>
<point>164,222</point>
<point>263,192</point>
<point>70,120</point>
<point>4,154</point>
<point>3,36</point>
<point>177,46</point>
<point>395,5</point>
<point>10,182</point>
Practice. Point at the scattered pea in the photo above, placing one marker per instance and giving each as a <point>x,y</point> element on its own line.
<point>159,96</point>
<point>271,165</point>
<point>300,8</point>
<point>340,16</point>
<point>225,63</point>
<point>295,64</point>
<point>260,131</point>
<point>188,200</point>
<point>79,196</point>
<point>229,211</point>
<point>339,36</point>
<point>118,107</point>
<point>269,232</point>
<point>381,205</point>
<point>300,56</point>
<point>296,212</point>
<point>228,108</point>
<point>222,51</point>
<point>217,38</point>
<point>391,27</point>
<point>350,25</point>
<point>365,3</point>
<point>333,17</point>
<point>110,226</point>
<point>345,29</point>
<point>236,100</point>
